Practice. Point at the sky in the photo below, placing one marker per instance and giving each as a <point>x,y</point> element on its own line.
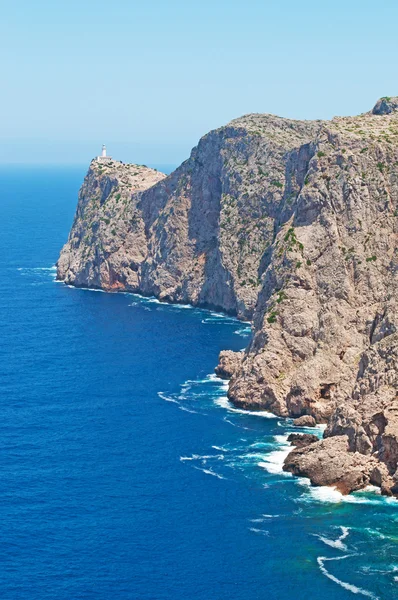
<point>150,78</point>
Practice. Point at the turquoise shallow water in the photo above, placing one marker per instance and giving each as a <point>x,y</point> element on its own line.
<point>125,473</point>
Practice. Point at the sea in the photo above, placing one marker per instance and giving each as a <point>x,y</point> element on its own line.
<point>125,474</point>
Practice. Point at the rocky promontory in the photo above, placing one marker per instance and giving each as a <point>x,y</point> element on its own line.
<point>293,225</point>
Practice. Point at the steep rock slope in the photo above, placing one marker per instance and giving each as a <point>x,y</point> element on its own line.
<point>202,235</point>
<point>107,242</point>
<point>293,224</point>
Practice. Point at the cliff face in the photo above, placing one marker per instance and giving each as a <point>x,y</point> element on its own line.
<point>202,235</point>
<point>293,224</point>
<point>107,242</point>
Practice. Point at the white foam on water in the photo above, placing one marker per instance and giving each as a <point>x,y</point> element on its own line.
<point>223,402</point>
<point>152,300</point>
<point>211,377</point>
<point>243,331</point>
<point>86,289</point>
<point>338,543</point>
<point>202,457</point>
<point>257,520</point>
<point>259,531</point>
<point>235,425</point>
<point>167,398</point>
<point>347,586</point>
<point>273,461</point>
<point>209,472</point>
<point>220,448</point>
<point>211,320</point>
<point>188,410</point>
<point>183,306</point>
<point>370,569</point>
<point>282,439</point>
<point>259,445</point>
<point>53,268</point>
<point>263,518</point>
<point>375,534</point>
<point>332,496</point>
<point>253,456</point>
<point>221,316</point>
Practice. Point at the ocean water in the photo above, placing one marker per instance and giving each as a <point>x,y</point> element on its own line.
<point>124,472</point>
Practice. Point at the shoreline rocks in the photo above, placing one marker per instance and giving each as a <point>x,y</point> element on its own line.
<point>300,440</point>
<point>304,421</point>
<point>329,462</point>
<point>228,363</point>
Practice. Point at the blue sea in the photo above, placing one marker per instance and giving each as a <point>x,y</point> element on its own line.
<point>124,472</point>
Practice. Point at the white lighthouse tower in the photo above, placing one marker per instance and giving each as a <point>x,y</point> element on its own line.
<point>103,156</point>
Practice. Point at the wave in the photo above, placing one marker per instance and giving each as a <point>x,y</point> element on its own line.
<point>83,289</point>
<point>243,331</point>
<point>36,271</point>
<point>202,457</point>
<point>331,495</point>
<point>273,461</point>
<point>167,398</point>
<point>210,320</point>
<point>209,472</point>
<point>52,268</point>
<point>260,531</point>
<point>235,424</point>
<point>338,543</point>
<point>223,402</point>
<point>188,410</point>
<point>263,518</point>
<point>211,378</point>
<point>375,534</point>
<point>347,586</point>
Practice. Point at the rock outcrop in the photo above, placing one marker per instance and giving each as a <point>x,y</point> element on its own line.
<point>329,462</point>
<point>228,363</point>
<point>300,440</point>
<point>292,224</point>
<point>304,421</point>
<point>107,243</point>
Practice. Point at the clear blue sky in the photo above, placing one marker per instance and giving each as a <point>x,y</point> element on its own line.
<point>149,78</point>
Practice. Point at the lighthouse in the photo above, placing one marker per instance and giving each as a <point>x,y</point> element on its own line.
<point>103,156</point>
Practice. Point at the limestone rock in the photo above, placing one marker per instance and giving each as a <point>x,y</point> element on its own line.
<point>304,421</point>
<point>228,363</point>
<point>107,242</point>
<point>300,440</point>
<point>386,105</point>
<point>328,462</point>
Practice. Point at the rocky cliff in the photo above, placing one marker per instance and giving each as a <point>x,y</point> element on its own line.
<point>292,224</point>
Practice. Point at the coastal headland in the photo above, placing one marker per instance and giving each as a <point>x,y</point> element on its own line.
<point>289,224</point>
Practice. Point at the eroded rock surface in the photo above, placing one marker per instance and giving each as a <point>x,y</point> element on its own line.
<point>107,243</point>
<point>294,225</point>
<point>300,440</point>
<point>228,363</point>
<point>304,421</point>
